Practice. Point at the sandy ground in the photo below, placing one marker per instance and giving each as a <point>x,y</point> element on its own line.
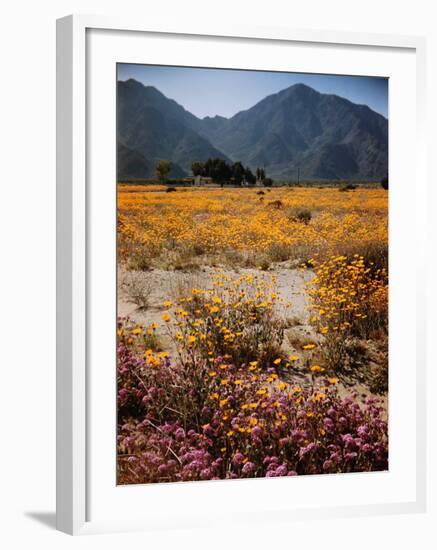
<point>165,285</point>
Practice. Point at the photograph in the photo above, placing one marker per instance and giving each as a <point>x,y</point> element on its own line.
<point>252,273</point>
<point>218,282</point>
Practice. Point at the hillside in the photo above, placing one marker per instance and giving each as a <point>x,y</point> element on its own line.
<point>324,136</point>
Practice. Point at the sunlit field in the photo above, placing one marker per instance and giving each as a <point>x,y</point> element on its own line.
<point>252,332</point>
<point>248,226</point>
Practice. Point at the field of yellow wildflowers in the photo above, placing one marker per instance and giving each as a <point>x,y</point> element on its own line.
<point>247,226</point>
<point>252,332</point>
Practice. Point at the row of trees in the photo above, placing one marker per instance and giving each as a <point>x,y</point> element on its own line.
<point>219,171</point>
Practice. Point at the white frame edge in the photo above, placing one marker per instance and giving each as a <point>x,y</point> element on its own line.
<point>71,277</point>
<point>71,355</point>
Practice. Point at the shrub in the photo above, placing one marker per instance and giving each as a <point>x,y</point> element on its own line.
<point>302,215</point>
<point>138,288</point>
<point>348,299</point>
<point>149,382</point>
<point>234,319</point>
<point>277,204</point>
<point>348,187</point>
<point>139,261</point>
<point>379,380</point>
<point>279,252</point>
<point>374,253</point>
<point>264,264</point>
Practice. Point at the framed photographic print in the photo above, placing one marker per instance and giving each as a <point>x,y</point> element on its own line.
<point>240,327</point>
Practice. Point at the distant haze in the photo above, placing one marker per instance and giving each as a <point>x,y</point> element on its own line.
<point>225,92</point>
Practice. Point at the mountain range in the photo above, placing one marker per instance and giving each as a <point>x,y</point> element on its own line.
<point>324,136</point>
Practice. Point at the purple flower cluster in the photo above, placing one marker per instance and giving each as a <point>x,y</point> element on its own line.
<point>215,420</point>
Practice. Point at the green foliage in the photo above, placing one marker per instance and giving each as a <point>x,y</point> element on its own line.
<point>302,215</point>
<point>221,172</point>
<point>260,174</point>
<point>198,168</point>
<point>250,178</point>
<point>162,170</point>
<point>218,169</point>
<point>237,171</point>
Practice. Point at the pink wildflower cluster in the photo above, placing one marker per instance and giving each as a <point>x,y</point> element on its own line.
<point>213,420</point>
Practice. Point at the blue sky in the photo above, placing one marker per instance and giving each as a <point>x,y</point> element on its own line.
<point>210,92</point>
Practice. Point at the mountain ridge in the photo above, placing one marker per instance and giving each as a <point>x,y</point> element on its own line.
<point>323,136</point>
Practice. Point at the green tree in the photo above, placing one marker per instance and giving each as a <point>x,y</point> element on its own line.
<point>162,170</point>
<point>223,172</point>
<point>218,169</point>
<point>238,171</point>
<point>249,177</point>
<point>197,168</point>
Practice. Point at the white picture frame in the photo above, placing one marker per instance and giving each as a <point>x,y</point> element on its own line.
<point>74,396</point>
